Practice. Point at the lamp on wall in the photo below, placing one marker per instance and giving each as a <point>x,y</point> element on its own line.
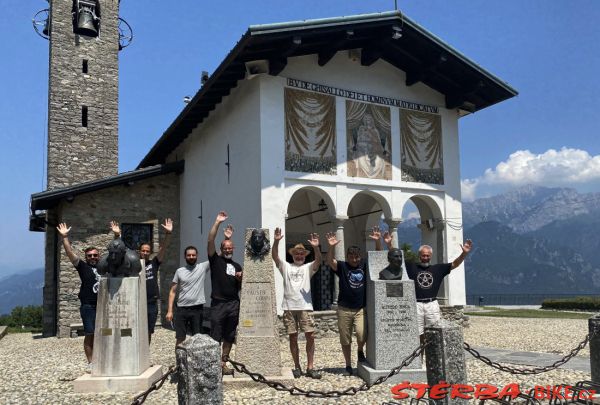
<point>322,207</point>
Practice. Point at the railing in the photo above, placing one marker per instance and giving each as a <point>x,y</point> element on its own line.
<point>518,299</point>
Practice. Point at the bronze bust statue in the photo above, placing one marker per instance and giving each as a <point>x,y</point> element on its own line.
<point>394,270</point>
<point>258,245</point>
<point>120,261</point>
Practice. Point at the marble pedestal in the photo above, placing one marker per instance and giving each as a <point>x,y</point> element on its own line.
<point>393,333</point>
<point>121,360</point>
<point>257,341</point>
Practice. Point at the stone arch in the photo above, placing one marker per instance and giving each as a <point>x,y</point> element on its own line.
<point>431,226</point>
<point>365,210</point>
<point>310,209</point>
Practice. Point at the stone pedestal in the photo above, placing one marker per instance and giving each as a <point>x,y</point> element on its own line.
<point>257,342</point>
<point>594,330</point>
<point>199,362</point>
<point>445,357</point>
<point>393,333</point>
<point>121,359</point>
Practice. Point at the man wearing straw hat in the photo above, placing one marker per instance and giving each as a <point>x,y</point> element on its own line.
<point>297,300</point>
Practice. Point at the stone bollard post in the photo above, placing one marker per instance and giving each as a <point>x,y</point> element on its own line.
<point>199,362</point>
<point>445,358</point>
<point>594,325</point>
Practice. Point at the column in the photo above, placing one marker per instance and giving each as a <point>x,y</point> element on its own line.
<point>199,362</point>
<point>594,330</point>
<point>445,358</point>
<point>393,225</point>
<point>340,252</point>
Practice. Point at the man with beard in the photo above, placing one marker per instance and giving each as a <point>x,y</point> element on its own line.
<point>297,301</point>
<point>152,292</point>
<point>428,278</point>
<point>226,281</point>
<point>88,291</point>
<point>352,275</point>
<point>189,280</point>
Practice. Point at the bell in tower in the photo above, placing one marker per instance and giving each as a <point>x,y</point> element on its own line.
<point>86,17</point>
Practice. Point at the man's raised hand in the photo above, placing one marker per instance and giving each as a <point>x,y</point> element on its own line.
<point>222,216</point>
<point>314,239</point>
<point>168,225</point>
<point>228,231</point>
<point>331,239</point>
<point>63,229</point>
<point>278,235</point>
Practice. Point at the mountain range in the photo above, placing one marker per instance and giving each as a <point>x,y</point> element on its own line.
<point>530,240</point>
<point>21,289</point>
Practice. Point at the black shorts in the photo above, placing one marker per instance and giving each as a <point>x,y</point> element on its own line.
<point>224,317</point>
<point>188,321</point>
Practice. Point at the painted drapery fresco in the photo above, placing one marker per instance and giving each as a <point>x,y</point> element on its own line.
<point>368,134</point>
<point>422,157</point>
<point>310,143</point>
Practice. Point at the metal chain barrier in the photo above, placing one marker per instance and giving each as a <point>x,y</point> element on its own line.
<point>529,371</point>
<point>327,394</point>
<point>156,385</point>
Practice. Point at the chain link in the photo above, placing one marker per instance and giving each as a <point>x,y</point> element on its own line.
<point>156,385</point>
<point>327,394</point>
<point>529,371</point>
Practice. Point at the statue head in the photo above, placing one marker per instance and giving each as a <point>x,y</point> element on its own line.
<point>395,258</point>
<point>258,245</point>
<point>116,253</point>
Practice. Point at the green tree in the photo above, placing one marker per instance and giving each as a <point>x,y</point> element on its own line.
<point>409,255</point>
<point>29,316</point>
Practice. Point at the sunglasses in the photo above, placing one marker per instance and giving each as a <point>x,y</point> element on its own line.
<point>92,255</point>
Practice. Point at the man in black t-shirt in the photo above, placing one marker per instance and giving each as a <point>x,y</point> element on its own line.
<point>88,291</point>
<point>352,275</point>
<point>428,278</point>
<point>152,291</point>
<point>226,281</point>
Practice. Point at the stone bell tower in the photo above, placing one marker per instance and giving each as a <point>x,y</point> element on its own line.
<point>83,91</point>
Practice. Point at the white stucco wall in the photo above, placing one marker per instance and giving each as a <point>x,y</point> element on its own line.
<point>380,79</point>
<point>234,122</point>
<point>252,121</point>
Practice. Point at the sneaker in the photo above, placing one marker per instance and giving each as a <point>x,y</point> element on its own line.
<point>311,373</point>
<point>361,356</point>
<point>347,371</point>
<point>297,372</point>
<point>226,370</point>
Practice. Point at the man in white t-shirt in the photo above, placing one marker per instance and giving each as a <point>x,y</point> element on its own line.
<point>297,300</point>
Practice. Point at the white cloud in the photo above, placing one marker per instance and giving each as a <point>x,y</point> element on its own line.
<point>566,167</point>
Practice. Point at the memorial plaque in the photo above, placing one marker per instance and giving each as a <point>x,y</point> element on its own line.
<point>121,338</point>
<point>257,316</point>
<point>257,333</point>
<point>393,290</point>
<point>393,330</point>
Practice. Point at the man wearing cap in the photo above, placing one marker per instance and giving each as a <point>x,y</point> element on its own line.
<point>297,301</point>
<point>352,275</point>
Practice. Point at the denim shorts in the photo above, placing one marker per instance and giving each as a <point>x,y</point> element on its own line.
<point>88,316</point>
<point>152,315</point>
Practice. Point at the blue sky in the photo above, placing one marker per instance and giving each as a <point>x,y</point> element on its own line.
<point>547,50</point>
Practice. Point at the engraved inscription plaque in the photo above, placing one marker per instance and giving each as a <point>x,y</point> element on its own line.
<point>393,290</point>
<point>257,317</point>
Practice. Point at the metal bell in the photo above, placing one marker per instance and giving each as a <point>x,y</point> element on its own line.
<point>46,30</point>
<point>85,23</point>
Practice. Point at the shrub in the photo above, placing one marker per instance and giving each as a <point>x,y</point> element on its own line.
<point>581,303</point>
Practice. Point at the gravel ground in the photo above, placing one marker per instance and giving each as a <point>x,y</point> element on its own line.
<point>40,371</point>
